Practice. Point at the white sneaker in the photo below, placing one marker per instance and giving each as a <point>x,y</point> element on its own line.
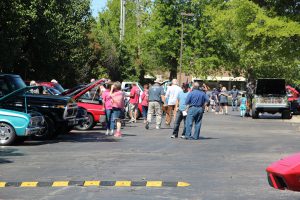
<point>111,132</point>
<point>107,132</point>
<point>183,137</point>
<point>157,127</point>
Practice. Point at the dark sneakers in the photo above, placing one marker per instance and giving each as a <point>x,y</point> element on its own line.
<point>147,125</point>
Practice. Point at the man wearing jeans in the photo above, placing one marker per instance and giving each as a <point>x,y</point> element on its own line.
<point>181,111</point>
<point>195,101</point>
<point>156,98</point>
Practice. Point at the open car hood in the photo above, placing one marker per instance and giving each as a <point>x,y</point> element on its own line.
<point>270,86</point>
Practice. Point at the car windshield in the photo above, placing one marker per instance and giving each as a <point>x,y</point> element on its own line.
<point>59,88</point>
<point>16,83</point>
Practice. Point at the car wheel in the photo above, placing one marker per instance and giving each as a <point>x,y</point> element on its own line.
<point>89,124</point>
<point>7,134</point>
<point>254,113</point>
<point>286,114</point>
<point>49,131</point>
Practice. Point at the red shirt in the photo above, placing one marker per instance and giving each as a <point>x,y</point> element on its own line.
<point>134,95</point>
<point>145,96</point>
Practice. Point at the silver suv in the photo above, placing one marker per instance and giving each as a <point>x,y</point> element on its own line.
<point>270,96</point>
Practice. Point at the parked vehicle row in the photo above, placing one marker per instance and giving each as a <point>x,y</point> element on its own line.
<point>60,113</point>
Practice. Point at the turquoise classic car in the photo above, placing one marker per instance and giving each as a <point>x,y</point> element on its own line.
<point>18,125</point>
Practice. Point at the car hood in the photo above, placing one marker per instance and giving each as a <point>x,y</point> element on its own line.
<point>270,86</point>
<point>23,91</point>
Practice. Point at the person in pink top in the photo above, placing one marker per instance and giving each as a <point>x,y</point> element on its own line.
<point>145,102</point>
<point>118,105</point>
<point>134,102</point>
<point>107,103</point>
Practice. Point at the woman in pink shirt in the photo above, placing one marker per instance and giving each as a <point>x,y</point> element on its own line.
<point>117,105</point>
<point>145,102</point>
<point>107,103</point>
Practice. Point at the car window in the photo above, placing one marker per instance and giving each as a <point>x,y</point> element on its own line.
<point>92,94</point>
<point>4,90</point>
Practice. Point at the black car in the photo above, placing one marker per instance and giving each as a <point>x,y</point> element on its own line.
<point>61,113</point>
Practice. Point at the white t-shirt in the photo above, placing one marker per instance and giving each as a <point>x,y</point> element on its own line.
<point>172,94</point>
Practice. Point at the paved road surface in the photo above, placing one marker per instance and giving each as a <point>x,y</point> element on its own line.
<point>227,163</point>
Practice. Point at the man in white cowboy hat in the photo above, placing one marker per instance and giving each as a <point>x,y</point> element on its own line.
<point>156,99</point>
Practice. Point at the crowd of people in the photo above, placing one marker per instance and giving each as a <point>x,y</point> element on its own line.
<point>185,103</point>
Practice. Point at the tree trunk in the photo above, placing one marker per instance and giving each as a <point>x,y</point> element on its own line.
<point>173,68</point>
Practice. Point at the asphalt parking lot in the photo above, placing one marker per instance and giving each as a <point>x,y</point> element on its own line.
<point>227,163</point>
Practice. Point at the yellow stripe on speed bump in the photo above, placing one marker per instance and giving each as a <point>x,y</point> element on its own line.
<point>2,184</point>
<point>28,184</point>
<point>123,183</point>
<point>154,184</point>
<point>60,184</point>
<point>96,183</point>
<point>183,184</point>
<point>91,183</point>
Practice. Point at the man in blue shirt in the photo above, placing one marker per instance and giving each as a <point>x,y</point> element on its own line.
<point>196,101</point>
<point>180,107</point>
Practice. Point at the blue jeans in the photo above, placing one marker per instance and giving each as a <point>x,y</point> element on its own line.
<point>108,118</point>
<point>179,118</point>
<point>195,114</point>
<point>234,105</point>
<point>145,111</point>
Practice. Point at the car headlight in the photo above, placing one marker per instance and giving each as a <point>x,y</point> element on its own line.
<point>36,121</point>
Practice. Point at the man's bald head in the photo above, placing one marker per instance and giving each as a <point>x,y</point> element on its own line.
<point>196,85</point>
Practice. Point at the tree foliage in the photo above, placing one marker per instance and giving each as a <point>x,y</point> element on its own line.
<point>44,39</point>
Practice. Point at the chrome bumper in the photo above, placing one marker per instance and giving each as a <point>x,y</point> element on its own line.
<point>33,131</point>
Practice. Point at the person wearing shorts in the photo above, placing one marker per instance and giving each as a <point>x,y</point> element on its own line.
<point>117,106</point>
<point>134,102</point>
<point>224,101</point>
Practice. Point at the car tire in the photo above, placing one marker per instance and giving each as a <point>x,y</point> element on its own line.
<point>49,132</point>
<point>88,125</point>
<point>254,113</point>
<point>7,134</point>
<point>286,114</point>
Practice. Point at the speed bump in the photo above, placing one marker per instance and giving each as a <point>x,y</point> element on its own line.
<point>94,183</point>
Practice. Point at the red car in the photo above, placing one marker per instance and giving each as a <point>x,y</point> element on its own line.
<point>285,173</point>
<point>88,97</point>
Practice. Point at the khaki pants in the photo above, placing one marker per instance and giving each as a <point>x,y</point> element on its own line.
<point>154,108</point>
<point>169,112</point>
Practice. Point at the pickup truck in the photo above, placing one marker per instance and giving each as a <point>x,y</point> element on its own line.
<point>59,112</point>
<point>270,96</point>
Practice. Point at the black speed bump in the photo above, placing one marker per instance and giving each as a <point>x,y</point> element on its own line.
<point>94,183</point>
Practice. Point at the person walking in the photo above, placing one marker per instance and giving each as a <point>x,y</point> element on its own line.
<point>118,98</point>
<point>156,98</point>
<point>235,95</point>
<point>224,101</point>
<point>172,95</point>
<point>243,105</point>
<point>145,102</point>
<point>107,103</point>
<point>181,111</point>
<point>134,102</point>
<point>195,102</point>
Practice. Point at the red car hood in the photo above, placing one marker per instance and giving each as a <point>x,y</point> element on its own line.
<point>289,164</point>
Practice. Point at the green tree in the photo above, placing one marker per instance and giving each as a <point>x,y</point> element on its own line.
<point>264,46</point>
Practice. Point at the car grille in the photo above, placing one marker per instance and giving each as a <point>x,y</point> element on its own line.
<point>37,121</point>
<point>271,100</point>
<point>70,111</point>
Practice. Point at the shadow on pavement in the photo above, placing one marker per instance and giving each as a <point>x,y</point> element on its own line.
<point>7,153</point>
<point>207,138</point>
